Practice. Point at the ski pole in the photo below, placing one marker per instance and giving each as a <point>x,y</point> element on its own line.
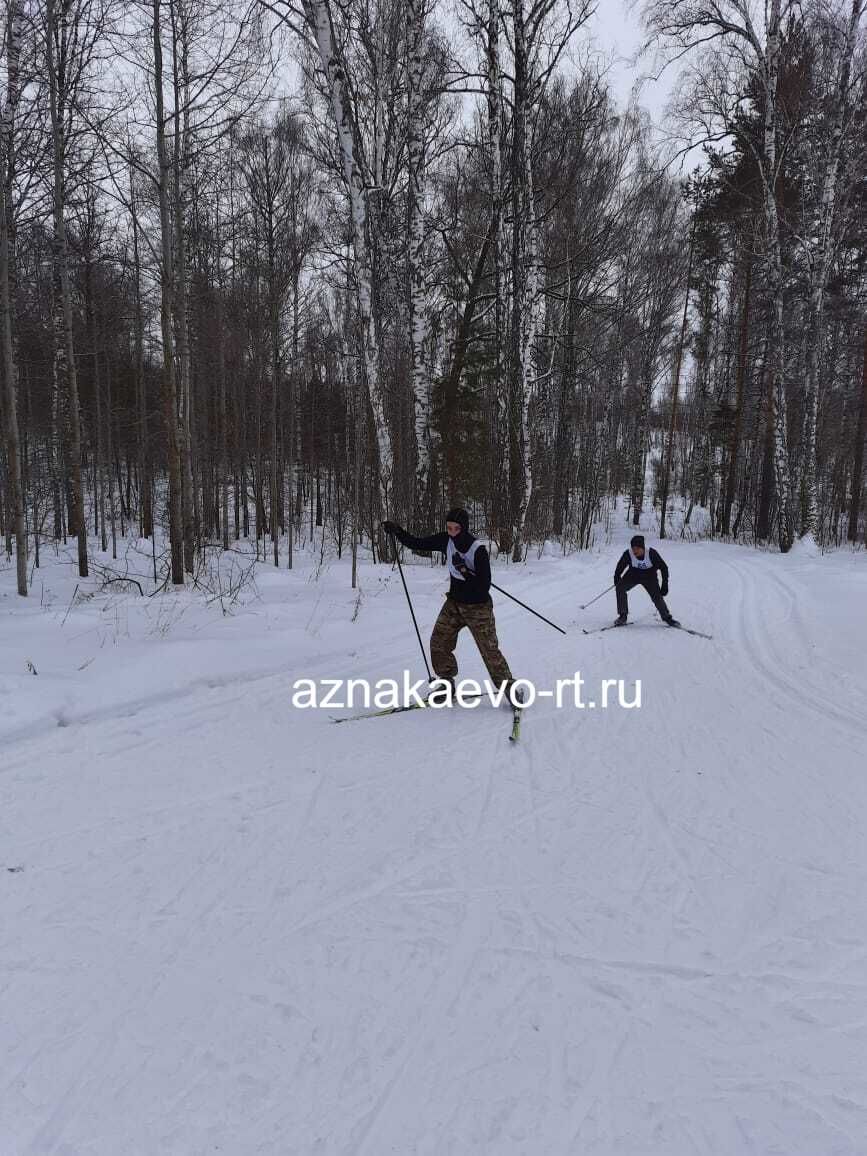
<point>526,607</point>
<point>596,599</point>
<point>412,612</point>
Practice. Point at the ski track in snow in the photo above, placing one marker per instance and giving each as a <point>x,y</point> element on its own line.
<point>240,929</point>
<point>761,644</point>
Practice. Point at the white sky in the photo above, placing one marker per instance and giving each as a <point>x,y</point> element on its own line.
<point>615,29</point>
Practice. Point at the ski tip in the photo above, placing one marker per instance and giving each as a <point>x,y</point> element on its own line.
<point>516,729</point>
<point>688,630</point>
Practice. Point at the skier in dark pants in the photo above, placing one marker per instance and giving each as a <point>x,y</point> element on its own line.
<point>637,566</point>
<point>468,602</point>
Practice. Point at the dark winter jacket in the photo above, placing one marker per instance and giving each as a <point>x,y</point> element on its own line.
<point>476,587</point>
<point>624,565</point>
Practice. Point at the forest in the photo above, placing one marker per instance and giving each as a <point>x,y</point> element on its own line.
<point>277,271</point>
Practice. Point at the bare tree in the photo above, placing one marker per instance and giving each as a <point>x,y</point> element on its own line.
<point>12,38</point>
<point>360,182</point>
<point>72,33</point>
<point>822,233</point>
<point>744,49</point>
<point>169,381</point>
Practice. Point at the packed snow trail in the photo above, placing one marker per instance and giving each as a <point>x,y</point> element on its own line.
<point>230,926</point>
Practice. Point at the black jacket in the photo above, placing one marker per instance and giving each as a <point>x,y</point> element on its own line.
<point>624,565</point>
<point>476,587</point>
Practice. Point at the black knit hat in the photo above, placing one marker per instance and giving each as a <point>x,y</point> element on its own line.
<point>459,514</point>
<point>637,540</point>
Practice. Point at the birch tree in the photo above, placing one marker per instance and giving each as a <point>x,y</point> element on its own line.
<point>541,33</point>
<point>822,233</point>
<point>746,46</point>
<point>73,31</point>
<point>319,24</point>
<point>279,187</point>
<point>167,278</point>
<point>417,272</point>
<point>12,48</point>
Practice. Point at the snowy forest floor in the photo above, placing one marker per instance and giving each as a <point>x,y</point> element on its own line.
<point>231,926</point>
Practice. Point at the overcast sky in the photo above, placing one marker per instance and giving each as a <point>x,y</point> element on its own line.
<point>616,31</point>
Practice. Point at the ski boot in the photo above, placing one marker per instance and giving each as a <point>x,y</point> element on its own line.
<point>443,693</point>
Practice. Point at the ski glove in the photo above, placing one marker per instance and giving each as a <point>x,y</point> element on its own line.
<point>664,589</point>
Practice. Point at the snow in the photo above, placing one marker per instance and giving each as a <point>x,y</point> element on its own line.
<point>806,547</point>
<point>233,927</point>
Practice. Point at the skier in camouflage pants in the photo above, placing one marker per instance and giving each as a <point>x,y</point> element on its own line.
<point>480,621</point>
<point>468,602</point>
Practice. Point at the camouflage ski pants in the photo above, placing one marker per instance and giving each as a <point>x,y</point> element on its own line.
<point>479,617</point>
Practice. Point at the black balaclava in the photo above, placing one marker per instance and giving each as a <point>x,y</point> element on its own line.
<point>464,539</point>
<point>638,540</point>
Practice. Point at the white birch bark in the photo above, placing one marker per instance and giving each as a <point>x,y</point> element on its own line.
<point>318,15</point>
<point>10,364</point>
<point>690,24</point>
<point>169,380</point>
<point>418,296</point>
<point>774,274</point>
<point>820,264</point>
<point>57,38</point>
<point>525,269</point>
<point>495,146</point>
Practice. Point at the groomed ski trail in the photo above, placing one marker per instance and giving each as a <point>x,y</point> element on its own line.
<point>239,928</point>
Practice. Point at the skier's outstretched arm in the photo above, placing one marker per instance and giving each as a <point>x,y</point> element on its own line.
<point>429,542</point>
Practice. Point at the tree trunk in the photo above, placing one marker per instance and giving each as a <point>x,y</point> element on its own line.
<point>170,397</point>
<point>731,480</point>
<point>318,15</point>
<point>99,457</point>
<point>275,394</point>
<point>858,465</point>
<point>15,513</point>
<point>146,527</point>
<point>461,344</point>
<point>640,445</point>
<point>524,285</point>
<point>675,390</point>
<point>64,348</point>
<point>821,266</point>
<point>774,272</point>
<point>498,403</point>
<point>179,161</point>
<point>291,434</point>
<point>766,493</point>
<point>417,284</point>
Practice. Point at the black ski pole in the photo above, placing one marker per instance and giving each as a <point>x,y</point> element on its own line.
<point>412,612</point>
<point>526,607</point>
<point>596,599</point>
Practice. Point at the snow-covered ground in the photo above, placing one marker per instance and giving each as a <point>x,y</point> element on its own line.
<point>231,926</point>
